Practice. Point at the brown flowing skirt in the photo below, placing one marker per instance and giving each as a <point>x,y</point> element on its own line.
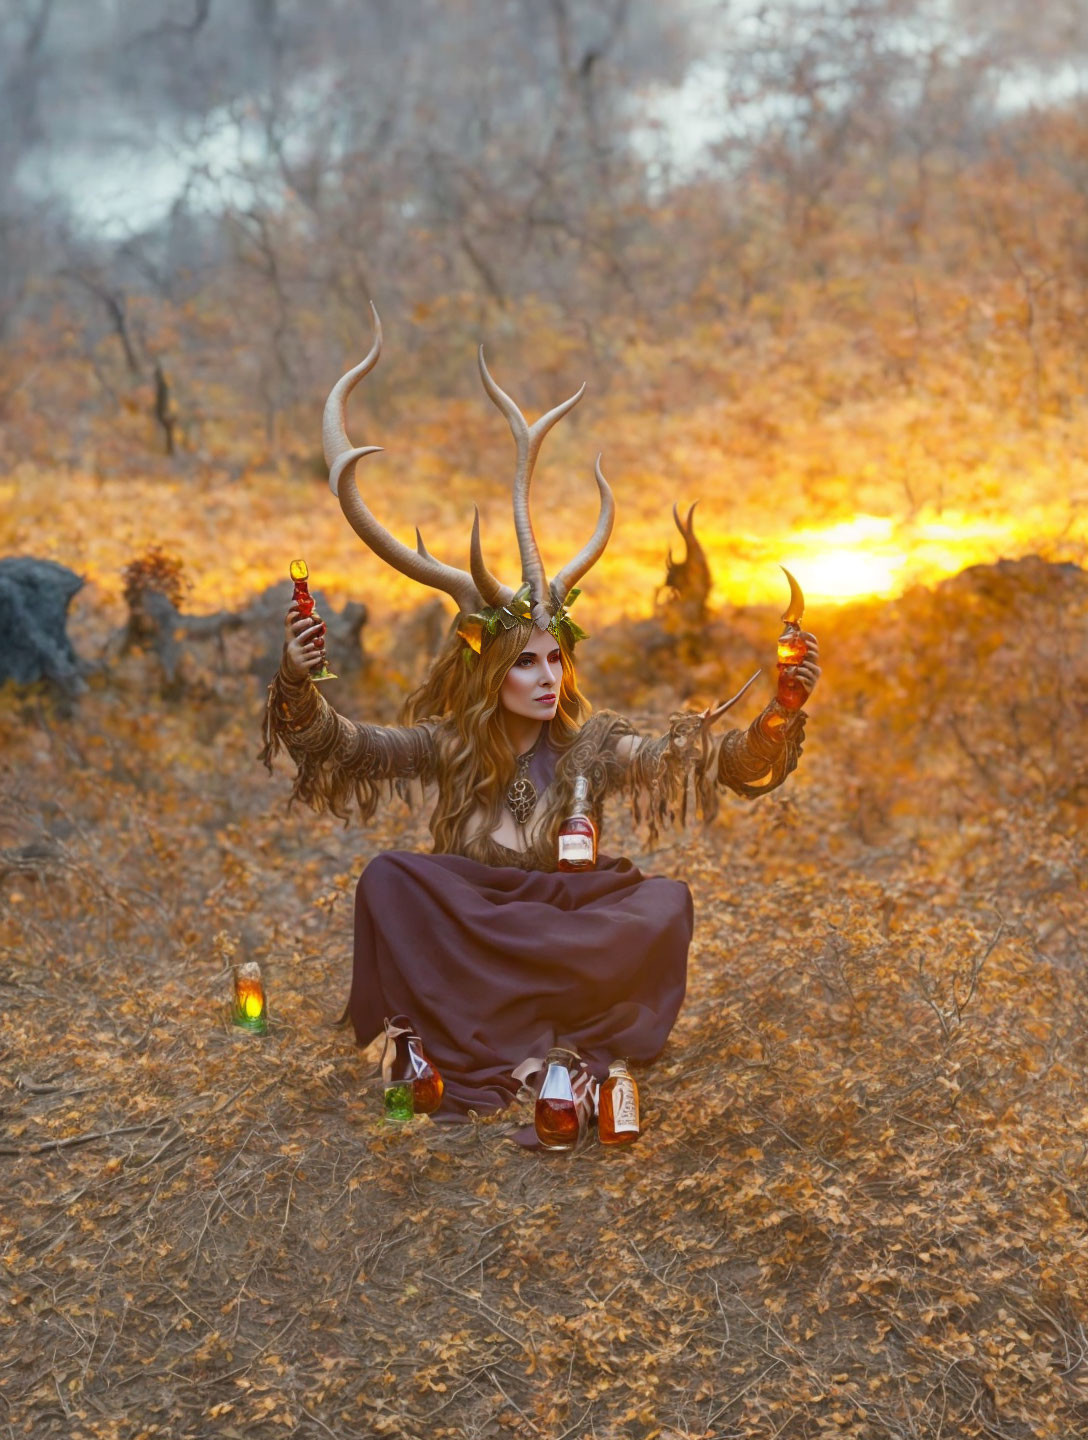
<point>493,964</point>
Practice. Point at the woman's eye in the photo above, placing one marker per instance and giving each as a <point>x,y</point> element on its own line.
<point>524,660</point>
<point>553,658</point>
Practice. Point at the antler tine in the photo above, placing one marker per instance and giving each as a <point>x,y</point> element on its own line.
<point>528,439</point>
<point>680,527</point>
<point>492,590</point>
<point>592,551</point>
<point>334,435</point>
<point>342,459</point>
<point>684,526</point>
<point>418,564</point>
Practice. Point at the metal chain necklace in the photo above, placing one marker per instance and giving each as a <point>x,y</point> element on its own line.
<point>521,797</point>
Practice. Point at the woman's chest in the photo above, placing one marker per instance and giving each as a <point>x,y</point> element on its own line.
<point>512,834</point>
<point>520,821</point>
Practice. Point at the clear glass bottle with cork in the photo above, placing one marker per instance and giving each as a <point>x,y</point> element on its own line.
<point>617,1106</point>
<point>556,1115</point>
<point>578,832</point>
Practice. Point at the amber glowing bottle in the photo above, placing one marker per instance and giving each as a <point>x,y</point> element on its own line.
<point>250,1009</point>
<point>617,1107</point>
<point>427,1084</point>
<point>555,1117</point>
<point>578,833</point>
<point>792,649</point>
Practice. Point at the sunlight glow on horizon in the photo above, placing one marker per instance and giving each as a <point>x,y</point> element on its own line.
<point>847,561</point>
<point>879,557</point>
<point>865,557</point>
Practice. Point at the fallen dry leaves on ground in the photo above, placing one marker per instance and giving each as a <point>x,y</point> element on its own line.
<point>859,1206</point>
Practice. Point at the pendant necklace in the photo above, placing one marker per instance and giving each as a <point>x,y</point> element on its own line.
<point>521,797</point>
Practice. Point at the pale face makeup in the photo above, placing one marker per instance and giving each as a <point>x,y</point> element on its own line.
<point>530,688</point>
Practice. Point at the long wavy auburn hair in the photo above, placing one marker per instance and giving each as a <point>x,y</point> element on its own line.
<point>475,758</point>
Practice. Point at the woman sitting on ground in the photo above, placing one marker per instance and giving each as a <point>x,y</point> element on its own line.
<point>493,953</point>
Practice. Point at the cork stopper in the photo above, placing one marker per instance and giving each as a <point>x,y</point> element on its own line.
<point>560,1055</point>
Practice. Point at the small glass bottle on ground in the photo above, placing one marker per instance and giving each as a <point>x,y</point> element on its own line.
<point>250,1008</point>
<point>617,1107</point>
<point>556,1117</point>
<point>397,1075</point>
<point>578,832</point>
<point>427,1083</point>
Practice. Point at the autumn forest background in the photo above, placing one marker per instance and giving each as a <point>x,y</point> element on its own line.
<point>823,265</point>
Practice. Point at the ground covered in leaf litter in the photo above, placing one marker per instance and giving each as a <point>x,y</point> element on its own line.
<point>858,1207</point>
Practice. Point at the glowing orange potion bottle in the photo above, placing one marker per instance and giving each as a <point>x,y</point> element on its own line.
<point>617,1107</point>
<point>556,1118</point>
<point>578,833</point>
<point>250,1008</point>
<point>792,649</point>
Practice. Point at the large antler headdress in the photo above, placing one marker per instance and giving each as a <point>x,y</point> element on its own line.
<point>481,599</point>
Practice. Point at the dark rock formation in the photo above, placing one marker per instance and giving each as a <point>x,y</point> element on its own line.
<point>417,640</point>
<point>155,623</point>
<point>34,600</point>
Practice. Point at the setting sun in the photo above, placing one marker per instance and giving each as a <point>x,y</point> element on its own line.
<point>874,556</point>
<point>856,558</point>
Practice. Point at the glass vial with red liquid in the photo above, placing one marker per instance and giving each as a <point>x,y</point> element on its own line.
<point>578,833</point>
<point>617,1106</point>
<point>555,1117</point>
<point>792,650</point>
<point>304,601</point>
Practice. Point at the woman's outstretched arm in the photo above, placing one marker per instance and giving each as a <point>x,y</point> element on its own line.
<point>654,770</point>
<point>339,761</point>
<point>755,761</point>
<point>659,771</point>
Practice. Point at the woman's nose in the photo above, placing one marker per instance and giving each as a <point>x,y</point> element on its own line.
<point>551,672</point>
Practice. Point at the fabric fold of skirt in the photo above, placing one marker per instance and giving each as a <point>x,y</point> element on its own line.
<point>494,964</point>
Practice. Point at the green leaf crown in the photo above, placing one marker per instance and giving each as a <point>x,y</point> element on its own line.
<point>517,611</point>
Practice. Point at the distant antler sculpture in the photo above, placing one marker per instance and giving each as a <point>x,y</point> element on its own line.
<point>688,579</point>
